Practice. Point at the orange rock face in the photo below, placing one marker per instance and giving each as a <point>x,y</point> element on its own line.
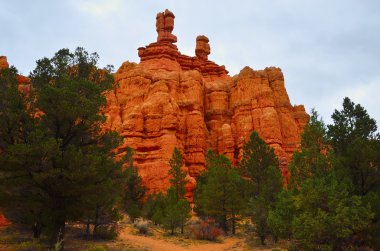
<point>3,62</point>
<point>23,82</point>
<point>172,100</point>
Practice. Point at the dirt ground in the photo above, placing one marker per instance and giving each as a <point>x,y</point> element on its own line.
<point>160,242</point>
<point>129,240</point>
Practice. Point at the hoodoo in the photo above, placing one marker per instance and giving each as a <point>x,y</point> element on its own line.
<point>172,100</point>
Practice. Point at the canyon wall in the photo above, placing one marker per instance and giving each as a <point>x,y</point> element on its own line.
<point>172,100</point>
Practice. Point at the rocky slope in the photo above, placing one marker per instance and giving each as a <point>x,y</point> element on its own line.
<point>172,100</point>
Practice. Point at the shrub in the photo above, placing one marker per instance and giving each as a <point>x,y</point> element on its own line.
<point>107,232</point>
<point>96,248</point>
<point>142,226</point>
<point>29,245</point>
<point>205,230</point>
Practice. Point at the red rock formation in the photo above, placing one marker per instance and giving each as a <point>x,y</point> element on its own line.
<point>202,48</point>
<point>172,100</point>
<point>24,82</point>
<point>165,26</point>
<point>3,62</point>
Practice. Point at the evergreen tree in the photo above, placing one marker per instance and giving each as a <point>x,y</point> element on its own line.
<point>155,208</point>
<point>280,217</point>
<point>317,210</point>
<point>261,171</point>
<point>327,216</point>
<point>315,156</point>
<point>135,191</point>
<point>177,180</point>
<point>176,211</point>
<point>356,142</point>
<point>219,192</point>
<point>62,159</point>
<point>16,123</point>
<point>172,210</point>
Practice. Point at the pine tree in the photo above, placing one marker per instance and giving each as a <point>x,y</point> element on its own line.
<point>317,209</point>
<point>176,211</point>
<point>135,191</point>
<point>172,209</point>
<point>16,123</point>
<point>355,140</point>
<point>61,160</point>
<point>356,143</point>
<point>219,192</point>
<point>177,180</point>
<point>260,168</point>
<point>315,156</point>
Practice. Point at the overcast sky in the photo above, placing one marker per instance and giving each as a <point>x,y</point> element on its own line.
<point>326,49</point>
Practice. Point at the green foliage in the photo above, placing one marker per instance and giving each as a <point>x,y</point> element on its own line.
<point>356,142</point>
<point>257,158</point>
<point>314,158</point>
<point>176,211</point>
<point>154,207</point>
<point>319,210</point>
<point>96,248</point>
<point>135,191</point>
<point>34,245</point>
<point>219,191</point>
<point>261,170</point>
<point>327,216</point>
<point>172,210</point>
<point>15,112</point>
<point>56,164</point>
<point>351,123</point>
<point>280,217</point>
<point>177,180</point>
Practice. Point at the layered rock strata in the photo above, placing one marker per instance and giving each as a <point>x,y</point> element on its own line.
<point>172,100</point>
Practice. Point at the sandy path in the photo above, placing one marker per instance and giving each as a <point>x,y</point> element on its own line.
<point>151,243</point>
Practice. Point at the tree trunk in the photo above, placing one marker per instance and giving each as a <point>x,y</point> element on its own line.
<point>36,228</point>
<point>262,238</point>
<point>172,230</point>
<point>96,222</point>
<point>275,238</point>
<point>224,224</point>
<point>182,227</point>
<point>58,234</point>
<point>233,224</point>
<point>88,229</point>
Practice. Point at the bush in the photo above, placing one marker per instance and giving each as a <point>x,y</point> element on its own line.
<point>107,232</point>
<point>204,230</point>
<point>142,226</point>
<point>96,248</point>
<point>29,245</point>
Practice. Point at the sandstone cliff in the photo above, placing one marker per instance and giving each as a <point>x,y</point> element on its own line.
<point>172,100</point>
